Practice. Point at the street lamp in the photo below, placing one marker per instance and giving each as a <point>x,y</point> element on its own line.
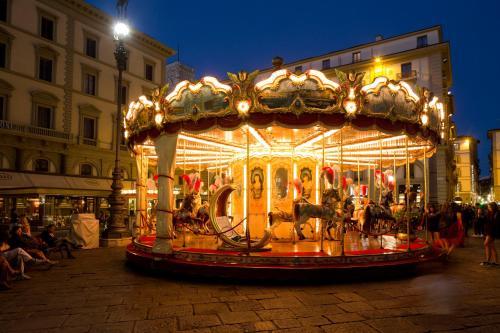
<point>117,232</point>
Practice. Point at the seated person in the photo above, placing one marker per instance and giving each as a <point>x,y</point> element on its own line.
<point>51,240</point>
<point>16,257</point>
<point>6,271</point>
<point>28,244</point>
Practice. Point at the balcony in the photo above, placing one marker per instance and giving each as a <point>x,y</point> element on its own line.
<point>28,130</point>
<point>411,75</point>
<point>89,142</point>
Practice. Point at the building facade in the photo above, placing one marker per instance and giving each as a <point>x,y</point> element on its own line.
<point>422,58</point>
<point>176,72</point>
<point>58,97</point>
<point>467,169</point>
<point>494,136</point>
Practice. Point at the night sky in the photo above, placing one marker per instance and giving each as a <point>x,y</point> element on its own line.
<point>215,37</point>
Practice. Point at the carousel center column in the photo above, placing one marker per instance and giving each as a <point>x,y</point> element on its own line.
<point>165,145</point>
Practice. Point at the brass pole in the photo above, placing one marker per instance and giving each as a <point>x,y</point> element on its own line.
<point>322,184</point>
<point>342,226</point>
<point>425,194</point>
<point>359,188</point>
<point>247,230</point>
<point>407,194</point>
<point>396,193</point>
<point>380,168</point>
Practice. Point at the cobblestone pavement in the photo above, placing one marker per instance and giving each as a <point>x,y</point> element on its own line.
<point>98,293</point>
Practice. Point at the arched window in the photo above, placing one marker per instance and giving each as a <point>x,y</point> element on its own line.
<point>41,165</point>
<point>86,169</point>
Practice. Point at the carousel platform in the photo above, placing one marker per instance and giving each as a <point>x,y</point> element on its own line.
<point>286,260</point>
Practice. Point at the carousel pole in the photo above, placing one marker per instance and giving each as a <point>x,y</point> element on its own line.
<point>184,192</point>
<point>425,194</point>
<point>342,225</point>
<point>369,182</point>
<point>380,168</point>
<point>407,194</point>
<point>380,186</point>
<point>395,178</point>
<point>247,229</point>
<point>359,189</point>
<point>322,166</point>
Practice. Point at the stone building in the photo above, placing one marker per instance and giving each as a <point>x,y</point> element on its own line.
<point>58,91</point>
<point>494,136</point>
<point>467,168</point>
<point>420,57</point>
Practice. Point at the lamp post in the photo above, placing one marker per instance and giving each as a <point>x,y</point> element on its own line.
<point>117,232</point>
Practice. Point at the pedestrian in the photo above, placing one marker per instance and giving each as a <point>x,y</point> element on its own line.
<point>17,257</point>
<point>28,244</point>
<point>491,231</point>
<point>452,235</point>
<point>433,217</point>
<point>480,221</point>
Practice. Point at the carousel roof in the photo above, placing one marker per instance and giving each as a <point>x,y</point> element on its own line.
<point>288,110</point>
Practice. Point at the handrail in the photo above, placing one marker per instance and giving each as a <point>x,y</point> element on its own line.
<point>34,130</point>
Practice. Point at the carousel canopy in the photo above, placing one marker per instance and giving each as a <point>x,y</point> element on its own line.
<point>290,114</point>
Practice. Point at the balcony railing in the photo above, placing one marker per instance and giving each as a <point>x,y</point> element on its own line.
<point>33,130</point>
<point>407,75</point>
<point>90,142</point>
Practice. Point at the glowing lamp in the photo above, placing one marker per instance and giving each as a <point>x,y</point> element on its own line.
<point>158,118</point>
<point>350,107</point>
<point>243,106</point>
<point>377,59</point>
<point>425,119</point>
<point>125,134</point>
<point>120,30</point>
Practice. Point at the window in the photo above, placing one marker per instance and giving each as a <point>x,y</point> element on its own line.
<point>406,71</point>
<point>3,55</point>
<point>47,27</point>
<point>41,165</point>
<point>45,67</point>
<point>3,107</point>
<point>86,170</point>
<point>3,10</point>
<point>89,84</point>
<point>325,64</point>
<point>422,41</point>
<point>91,47</point>
<point>89,128</point>
<point>298,68</point>
<point>148,71</point>
<point>356,56</point>
<point>44,116</point>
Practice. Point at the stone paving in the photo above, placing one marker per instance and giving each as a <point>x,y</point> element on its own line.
<point>97,292</point>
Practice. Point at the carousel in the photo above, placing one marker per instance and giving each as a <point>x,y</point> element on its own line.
<point>281,175</point>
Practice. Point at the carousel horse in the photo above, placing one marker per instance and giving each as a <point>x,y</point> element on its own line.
<point>275,218</point>
<point>188,213</point>
<point>378,216</point>
<point>303,211</point>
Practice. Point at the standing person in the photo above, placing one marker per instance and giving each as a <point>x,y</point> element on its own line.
<point>491,231</point>
<point>480,221</point>
<point>433,217</point>
<point>453,232</point>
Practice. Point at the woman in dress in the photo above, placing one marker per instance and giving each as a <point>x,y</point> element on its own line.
<point>452,235</point>
<point>491,231</point>
<point>433,217</point>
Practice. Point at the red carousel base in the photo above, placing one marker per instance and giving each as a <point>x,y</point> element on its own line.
<point>285,260</point>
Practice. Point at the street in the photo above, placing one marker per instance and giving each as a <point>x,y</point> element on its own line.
<point>98,292</point>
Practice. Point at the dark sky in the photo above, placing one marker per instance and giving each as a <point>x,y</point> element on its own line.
<point>219,36</point>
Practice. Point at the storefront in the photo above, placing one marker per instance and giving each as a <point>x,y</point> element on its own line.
<point>46,198</point>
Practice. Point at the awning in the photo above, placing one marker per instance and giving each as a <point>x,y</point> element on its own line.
<point>19,183</point>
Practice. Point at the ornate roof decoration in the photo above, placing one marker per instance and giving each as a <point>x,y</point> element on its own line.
<point>286,99</point>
